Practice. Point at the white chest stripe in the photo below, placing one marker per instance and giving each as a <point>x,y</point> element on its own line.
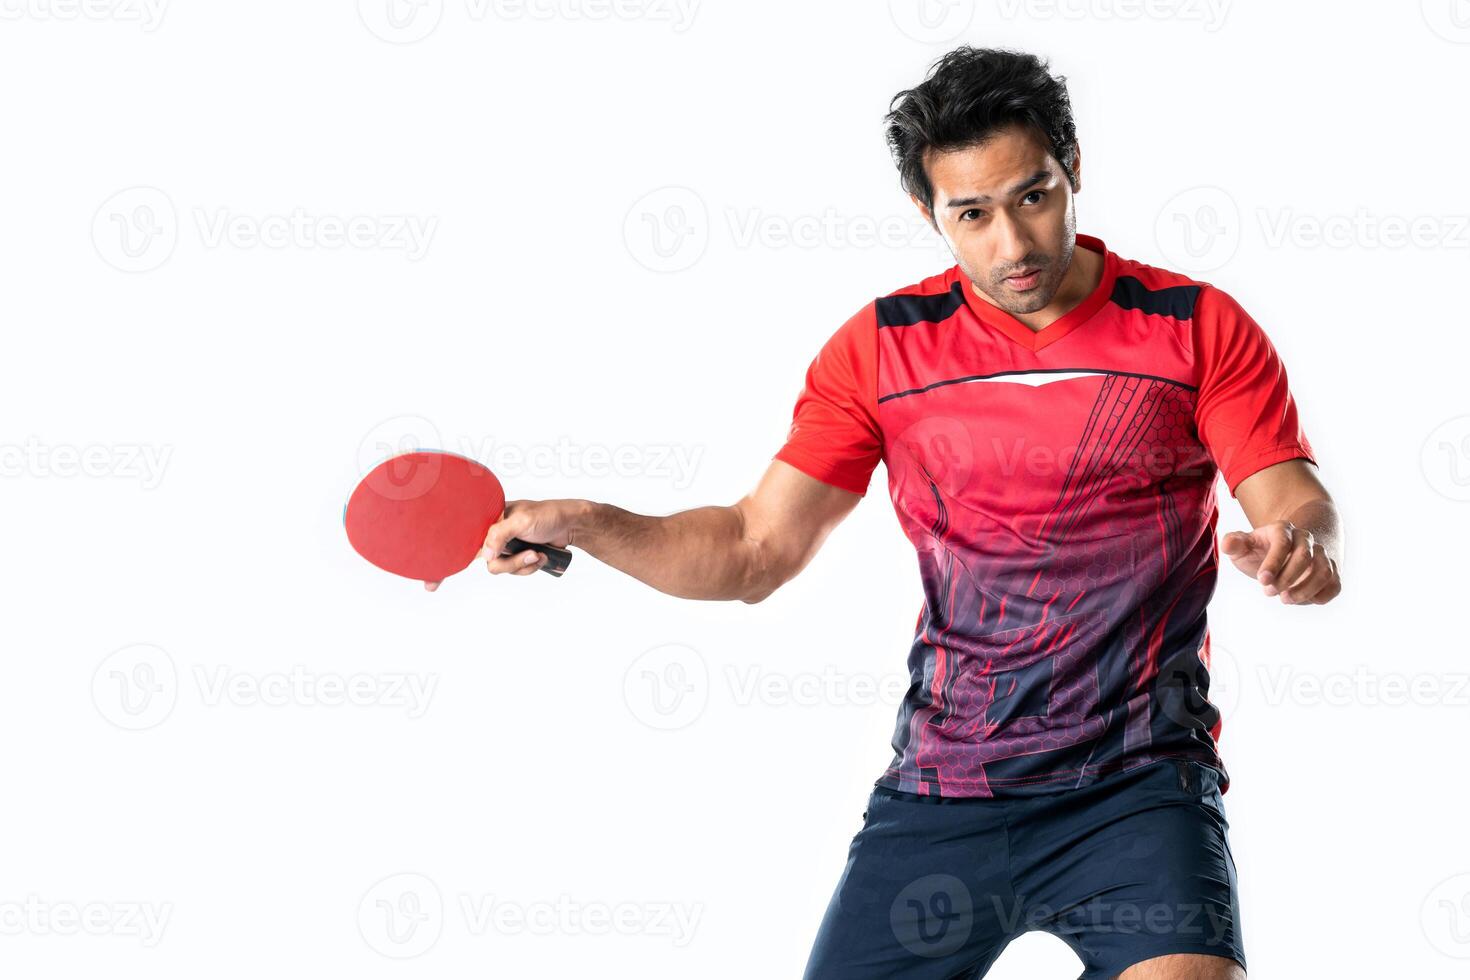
<point>1036,379</point>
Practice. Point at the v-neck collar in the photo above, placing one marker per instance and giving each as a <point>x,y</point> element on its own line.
<point>1035,340</point>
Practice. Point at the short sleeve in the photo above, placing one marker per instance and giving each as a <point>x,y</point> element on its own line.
<point>834,435</point>
<point>1245,414</point>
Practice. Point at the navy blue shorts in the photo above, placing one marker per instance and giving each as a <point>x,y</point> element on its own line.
<point>1132,866</point>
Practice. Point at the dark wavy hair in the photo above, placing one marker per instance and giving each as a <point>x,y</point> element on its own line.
<point>969,94</point>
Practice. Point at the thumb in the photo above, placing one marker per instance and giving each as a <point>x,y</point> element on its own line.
<point>510,523</point>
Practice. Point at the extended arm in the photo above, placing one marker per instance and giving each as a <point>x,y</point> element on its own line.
<point>743,551</point>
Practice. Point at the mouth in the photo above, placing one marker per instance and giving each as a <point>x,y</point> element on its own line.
<point>1025,280</point>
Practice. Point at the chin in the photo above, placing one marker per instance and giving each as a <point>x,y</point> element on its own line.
<point>1032,302</point>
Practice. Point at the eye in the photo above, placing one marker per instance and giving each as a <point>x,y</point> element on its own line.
<point>1036,194</point>
<point>974,211</point>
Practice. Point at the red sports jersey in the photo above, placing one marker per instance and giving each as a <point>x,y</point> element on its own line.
<point>1060,489</point>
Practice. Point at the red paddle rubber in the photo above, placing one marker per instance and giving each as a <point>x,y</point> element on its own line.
<point>424,515</point>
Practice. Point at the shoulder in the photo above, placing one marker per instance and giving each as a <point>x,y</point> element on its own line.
<point>1153,289</point>
<point>911,303</point>
<point>937,284</point>
<point>1210,309</point>
<point>933,299</point>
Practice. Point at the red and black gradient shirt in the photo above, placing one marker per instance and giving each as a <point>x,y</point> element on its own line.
<point>1059,487</point>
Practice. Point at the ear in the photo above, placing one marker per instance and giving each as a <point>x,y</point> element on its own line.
<point>924,210</point>
<point>1076,167</point>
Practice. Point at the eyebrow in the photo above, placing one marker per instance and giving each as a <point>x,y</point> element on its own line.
<point>965,202</point>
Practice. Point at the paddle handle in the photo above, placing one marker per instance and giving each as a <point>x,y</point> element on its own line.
<point>557,559</point>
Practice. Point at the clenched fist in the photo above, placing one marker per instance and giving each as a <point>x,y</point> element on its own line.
<point>533,521</point>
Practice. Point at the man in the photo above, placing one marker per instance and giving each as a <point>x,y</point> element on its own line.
<point>1053,418</point>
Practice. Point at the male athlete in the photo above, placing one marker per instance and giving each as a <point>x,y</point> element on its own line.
<point>1053,418</point>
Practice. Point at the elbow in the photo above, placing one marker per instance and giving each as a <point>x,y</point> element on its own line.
<point>761,587</point>
<point>764,573</point>
<point>752,598</point>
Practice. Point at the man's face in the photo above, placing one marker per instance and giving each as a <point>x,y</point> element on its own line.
<point>1005,208</point>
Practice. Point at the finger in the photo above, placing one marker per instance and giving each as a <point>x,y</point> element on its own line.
<point>1237,544</point>
<point>525,561</point>
<point>431,586</point>
<point>1324,572</point>
<point>1298,565</point>
<point>534,565</point>
<point>1278,549</point>
<point>1296,575</point>
<point>1306,586</point>
<point>1330,591</point>
<point>512,522</point>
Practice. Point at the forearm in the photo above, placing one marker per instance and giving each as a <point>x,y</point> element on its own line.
<point>703,553</point>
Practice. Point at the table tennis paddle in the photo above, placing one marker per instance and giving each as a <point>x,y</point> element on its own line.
<point>424,515</point>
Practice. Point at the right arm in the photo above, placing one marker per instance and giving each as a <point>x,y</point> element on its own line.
<point>750,549</point>
<point>744,551</point>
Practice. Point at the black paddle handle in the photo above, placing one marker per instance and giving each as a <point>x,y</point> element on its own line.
<point>557,559</point>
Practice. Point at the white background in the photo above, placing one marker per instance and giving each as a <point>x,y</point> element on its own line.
<point>186,406</point>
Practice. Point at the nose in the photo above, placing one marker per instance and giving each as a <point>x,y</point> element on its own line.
<point>1012,244</point>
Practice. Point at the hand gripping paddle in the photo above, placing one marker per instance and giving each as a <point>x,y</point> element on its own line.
<point>424,515</point>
